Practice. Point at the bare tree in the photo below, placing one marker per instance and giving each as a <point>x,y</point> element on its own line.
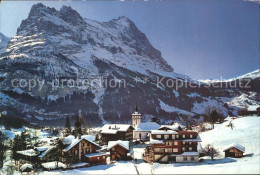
<point>230,125</point>
<point>211,151</point>
<point>188,121</point>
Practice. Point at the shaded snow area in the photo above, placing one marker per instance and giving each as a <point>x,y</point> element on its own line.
<point>168,108</point>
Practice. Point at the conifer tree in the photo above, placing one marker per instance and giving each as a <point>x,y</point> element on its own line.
<point>77,126</point>
<point>67,126</point>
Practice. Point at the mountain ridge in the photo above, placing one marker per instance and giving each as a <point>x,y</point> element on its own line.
<point>52,44</point>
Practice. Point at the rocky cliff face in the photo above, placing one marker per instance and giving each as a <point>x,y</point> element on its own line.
<point>3,42</point>
<point>51,46</point>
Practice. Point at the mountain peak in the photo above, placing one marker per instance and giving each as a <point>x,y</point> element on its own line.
<point>70,15</point>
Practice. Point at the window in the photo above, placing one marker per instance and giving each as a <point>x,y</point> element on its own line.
<point>97,158</point>
<point>104,157</point>
<point>175,150</point>
<point>185,158</point>
<point>183,143</point>
<point>113,149</point>
<point>83,144</point>
<point>166,137</point>
<point>158,136</point>
<point>175,143</point>
<point>183,148</point>
<point>173,136</point>
<point>169,150</point>
<point>191,136</point>
<point>183,136</point>
<point>192,157</point>
<point>75,152</point>
<point>190,148</point>
<point>190,143</point>
<point>166,150</point>
<point>169,143</point>
<point>86,150</point>
<point>177,136</point>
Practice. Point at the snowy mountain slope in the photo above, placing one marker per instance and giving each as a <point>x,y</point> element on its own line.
<point>3,42</point>
<point>245,132</point>
<point>60,44</point>
<point>251,75</point>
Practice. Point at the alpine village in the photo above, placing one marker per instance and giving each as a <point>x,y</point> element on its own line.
<point>76,147</point>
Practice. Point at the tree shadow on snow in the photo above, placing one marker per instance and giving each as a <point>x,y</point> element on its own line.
<point>207,162</point>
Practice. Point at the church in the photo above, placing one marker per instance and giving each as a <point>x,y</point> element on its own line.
<point>142,130</point>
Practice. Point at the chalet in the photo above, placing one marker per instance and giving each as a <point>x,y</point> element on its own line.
<point>41,154</point>
<point>253,110</point>
<point>142,130</point>
<point>118,150</point>
<point>78,150</point>
<point>234,150</point>
<point>113,132</point>
<point>172,146</point>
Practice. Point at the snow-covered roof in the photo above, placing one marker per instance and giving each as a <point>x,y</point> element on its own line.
<point>114,128</point>
<point>53,165</point>
<point>77,140</point>
<point>46,151</point>
<point>235,145</point>
<point>95,154</point>
<point>148,126</point>
<point>163,132</point>
<point>190,154</point>
<point>153,141</point>
<point>89,137</point>
<point>253,107</point>
<point>67,140</point>
<point>28,152</point>
<point>174,127</point>
<point>124,144</point>
<point>26,166</point>
<point>136,113</point>
<point>42,148</point>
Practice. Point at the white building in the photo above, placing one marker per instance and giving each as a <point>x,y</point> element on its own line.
<point>142,130</point>
<point>136,117</point>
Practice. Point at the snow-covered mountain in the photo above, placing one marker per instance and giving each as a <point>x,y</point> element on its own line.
<point>3,42</point>
<point>59,44</point>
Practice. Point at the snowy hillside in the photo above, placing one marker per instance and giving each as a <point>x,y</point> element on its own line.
<point>246,132</point>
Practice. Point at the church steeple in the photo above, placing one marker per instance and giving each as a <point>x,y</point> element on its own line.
<point>136,117</point>
<point>136,109</point>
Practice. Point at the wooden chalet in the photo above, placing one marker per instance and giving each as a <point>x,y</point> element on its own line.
<point>118,150</point>
<point>38,154</point>
<point>113,132</point>
<point>172,146</point>
<point>234,150</point>
<point>76,149</point>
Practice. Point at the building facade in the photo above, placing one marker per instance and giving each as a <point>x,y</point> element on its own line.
<point>172,146</point>
<point>113,132</point>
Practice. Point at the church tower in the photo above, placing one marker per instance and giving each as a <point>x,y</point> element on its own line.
<point>136,117</point>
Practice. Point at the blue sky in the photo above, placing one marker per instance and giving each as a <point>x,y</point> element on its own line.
<point>200,38</point>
